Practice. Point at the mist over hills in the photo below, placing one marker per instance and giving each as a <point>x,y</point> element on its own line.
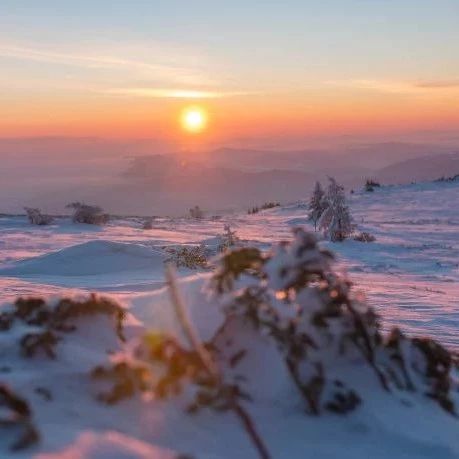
<point>146,176</point>
<point>420,169</point>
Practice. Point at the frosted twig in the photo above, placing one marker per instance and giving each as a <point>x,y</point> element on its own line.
<point>208,362</point>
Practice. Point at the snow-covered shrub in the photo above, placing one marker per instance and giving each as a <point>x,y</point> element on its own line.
<point>161,367</point>
<point>178,363</point>
<point>265,206</point>
<point>84,213</point>
<point>317,204</point>
<point>364,236</point>
<point>37,218</point>
<point>196,213</point>
<point>452,178</point>
<point>43,324</point>
<point>17,420</point>
<point>48,330</point>
<point>290,308</point>
<point>270,205</point>
<point>228,239</point>
<point>329,338</point>
<point>147,224</point>
<point>191,257</point>
<point>335,221</point>
<point>370,185</point>
<point>127,378</point>
<point>37,327</point>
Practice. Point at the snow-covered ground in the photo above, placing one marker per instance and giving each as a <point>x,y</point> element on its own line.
<point>410,276</point>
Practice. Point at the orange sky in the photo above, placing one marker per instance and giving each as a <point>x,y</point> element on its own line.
<point>291,68</point>
<point>325,112</point>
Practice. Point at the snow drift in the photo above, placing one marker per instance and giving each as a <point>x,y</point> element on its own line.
<point>90,259</point>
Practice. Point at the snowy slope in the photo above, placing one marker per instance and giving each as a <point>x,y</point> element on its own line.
<point>93,264</point>
<point>410,275</point>
<point>411,271</point>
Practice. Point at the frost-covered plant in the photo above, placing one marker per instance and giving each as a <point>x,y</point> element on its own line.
<point>191,257</point>
<point>228,239</point>
<point>364,236</point>
<point>127,377</point>
<point>317,204</point>
<point>84,213</point>
<point>178,367</point>
<point>37,218</point>
<point>16,419</point>
<point>38,326</point>
<point>44,323</point>
<point>370,185</point>
<point>196,213</point>
<point>336,221</point>
<point>270,205</point>
<point>147,224</point>
<point>291,304</point>
<point>162,367</point>
<point>265,206</point>
<point>328,336</point>
<point>452,178</point>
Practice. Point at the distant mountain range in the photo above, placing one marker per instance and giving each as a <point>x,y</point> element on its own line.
<point>140,177</point>
<point>420,169</point>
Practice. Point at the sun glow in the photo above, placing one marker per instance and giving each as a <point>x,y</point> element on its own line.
<point>194,119</point>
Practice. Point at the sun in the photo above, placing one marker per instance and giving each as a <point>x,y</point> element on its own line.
<point>194,119</point>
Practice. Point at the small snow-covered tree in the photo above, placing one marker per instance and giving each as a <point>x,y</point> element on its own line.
<point>364,236</point>
<point>371,184</point>
<point>336,220</point>
<point>84,213</point>
<point>36,217</point>
<point>228,239</point>
<point>316,204</point>
<point>196,213</point>
<point>147,223</point>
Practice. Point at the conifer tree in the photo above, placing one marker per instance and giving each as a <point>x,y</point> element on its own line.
<point>316,204</point>
<point>336,220</point>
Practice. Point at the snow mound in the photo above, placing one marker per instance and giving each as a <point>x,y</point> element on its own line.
<point>155,312</point>
<point>109,445</point>
<point>90,259</point>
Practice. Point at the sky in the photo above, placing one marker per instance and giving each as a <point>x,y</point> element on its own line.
<point>127,69</point>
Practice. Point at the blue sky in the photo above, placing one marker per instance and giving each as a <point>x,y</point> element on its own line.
<point>331,39</point>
